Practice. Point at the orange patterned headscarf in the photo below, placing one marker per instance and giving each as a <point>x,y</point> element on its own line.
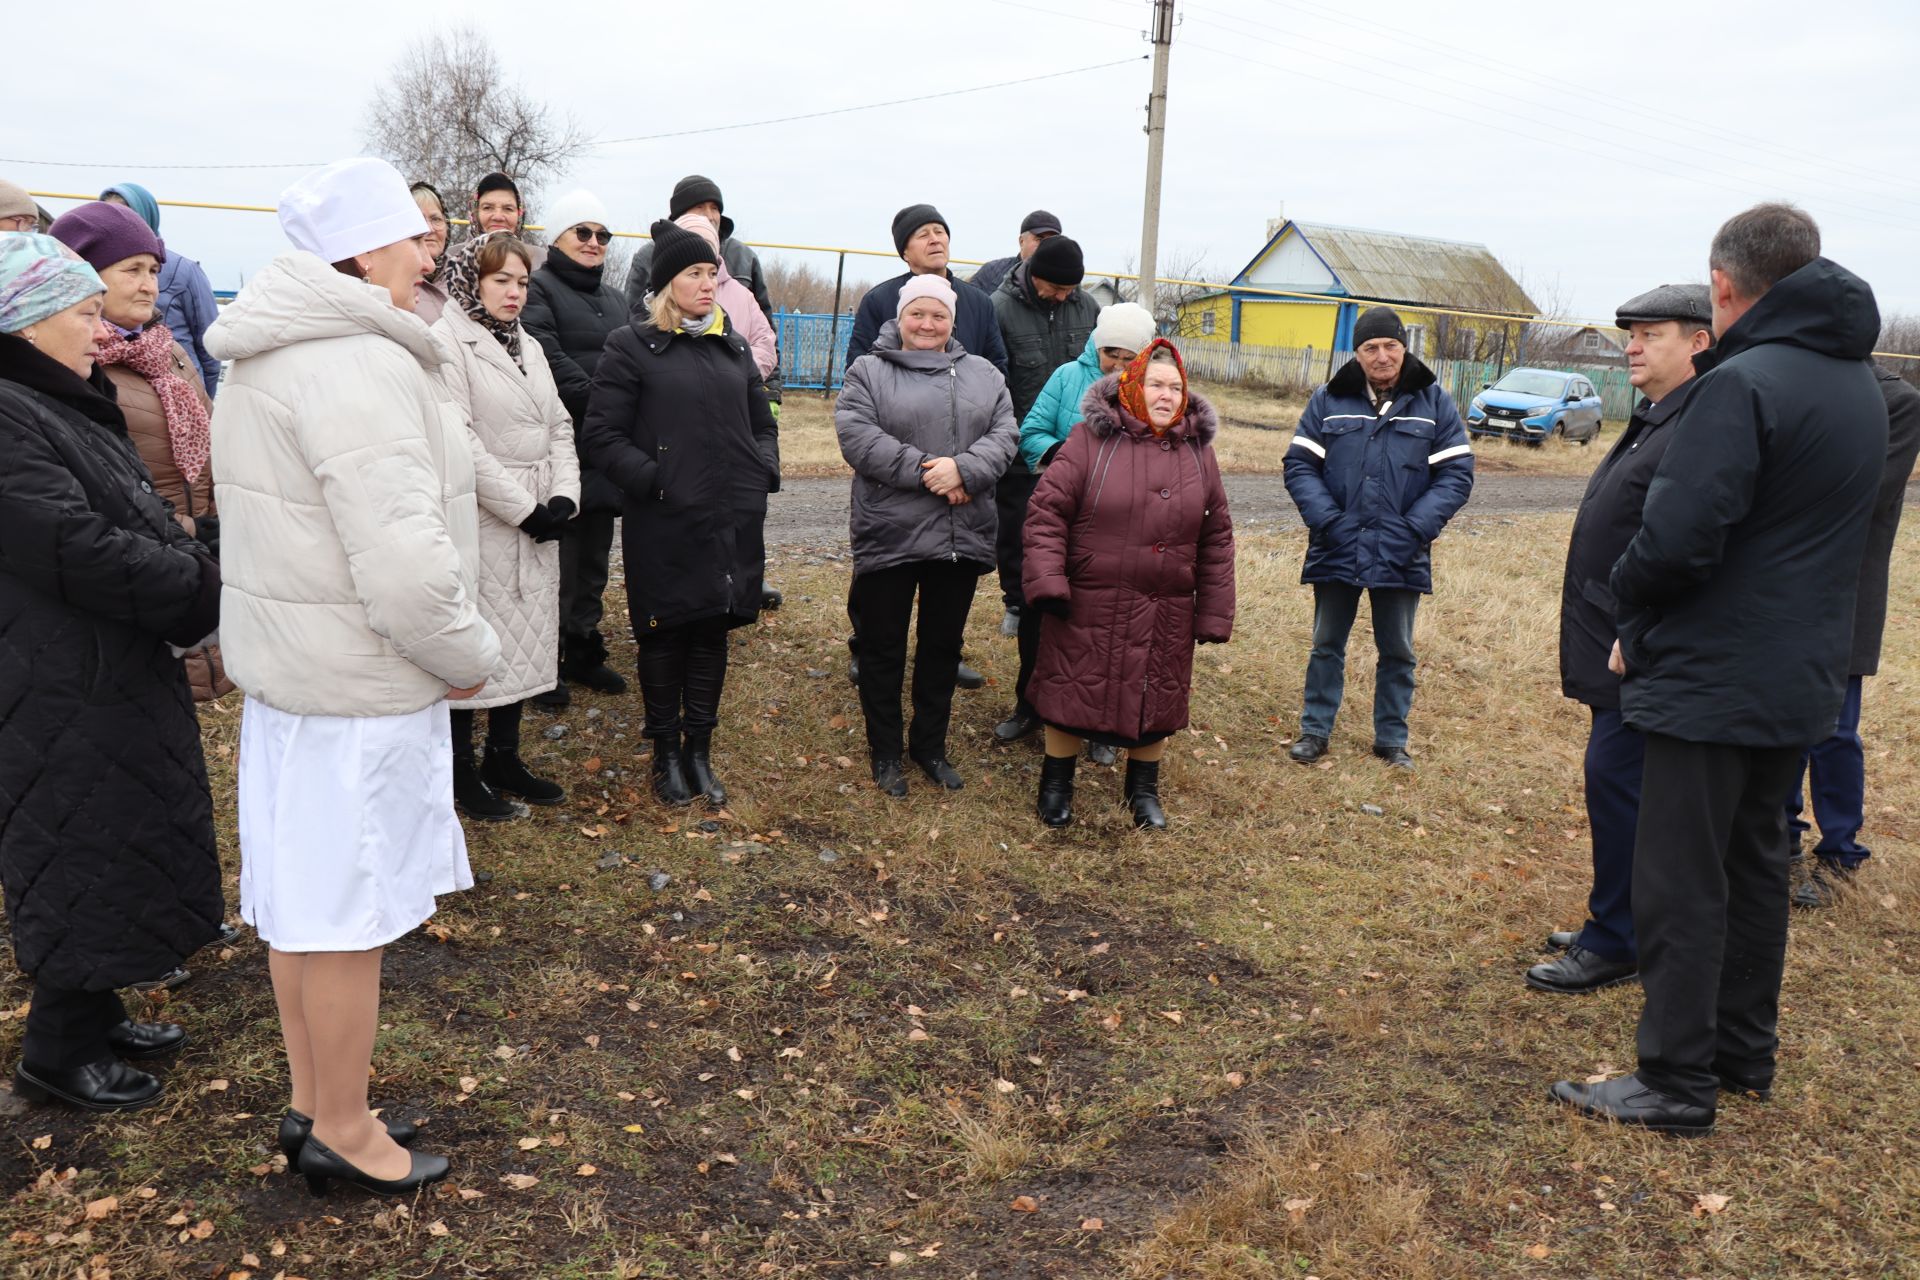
<point>1133,385</point>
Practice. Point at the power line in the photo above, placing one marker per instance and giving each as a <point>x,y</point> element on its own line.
<point>650,137</point>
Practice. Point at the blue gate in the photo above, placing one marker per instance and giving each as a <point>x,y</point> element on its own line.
<point>813,348</point>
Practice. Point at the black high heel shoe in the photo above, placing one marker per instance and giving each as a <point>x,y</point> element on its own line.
<point>295,1129</point>
<point>321,1164</point>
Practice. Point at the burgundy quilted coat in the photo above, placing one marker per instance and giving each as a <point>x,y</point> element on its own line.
<point>1132,531</point>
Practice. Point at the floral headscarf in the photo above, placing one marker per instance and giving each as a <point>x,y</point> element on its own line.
<point>1133,385</point>
<point>463,287</point>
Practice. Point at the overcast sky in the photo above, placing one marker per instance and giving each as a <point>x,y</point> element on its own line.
<point>1593,148</point>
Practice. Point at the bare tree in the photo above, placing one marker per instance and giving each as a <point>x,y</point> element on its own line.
<point>801,287</point>
<point>447,114</point>
<point>1180,278</point>
<point>1900,335</point>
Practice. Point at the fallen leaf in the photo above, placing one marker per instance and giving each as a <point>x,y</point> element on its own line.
<point>519,1181</point>
<point>916,1034</point>
<point>585,1171</point>
<point>1538,1251</point>
<point>178,1219</point>
<point>633,1128</point>
<point>593,764</point>
<point>1174,1016</point>
<point>1024,1204</point>
<point>528,1144</point>
<point>733,1053</point>
<point>98,1209</point>
<point>1236,1079</point>
<point>201,1229</point>
<point>898,1259</point>
<point>437,1228</point>
<point>1005,1086</point>
<point>42,1142</point>
<point>1297,1207</point>
<point>217,1086</point>
<point>1092,1224</point>
<point>469,1084</point>
<point>1708,1202</point>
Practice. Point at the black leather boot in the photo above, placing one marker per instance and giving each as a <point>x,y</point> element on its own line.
<point>508,774</point>
<point>474,798</point>
<point>1143,795</point>
<point>699,769</point>
<point>1056,790</point>
<point>670,773</point>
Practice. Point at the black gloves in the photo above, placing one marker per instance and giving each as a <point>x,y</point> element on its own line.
<point>1055,608</point>
<point>546,521</point>
<point>206,530</point>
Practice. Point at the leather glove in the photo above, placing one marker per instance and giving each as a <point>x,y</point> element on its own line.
<point>1055,608</point>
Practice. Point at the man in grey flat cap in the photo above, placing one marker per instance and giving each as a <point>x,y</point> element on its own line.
<point>1666,328</point>
<point>1035,227</point>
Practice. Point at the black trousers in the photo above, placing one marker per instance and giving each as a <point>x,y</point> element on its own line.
<point>1028,638</point>
<point>1616,757</point>
<point>1710,912</point>
<point>683,671</point>
<point>586,550</point>
<point>503,730</point>
<point>68,1029</point>
<point>881,606</point>
<point>1011,493</point>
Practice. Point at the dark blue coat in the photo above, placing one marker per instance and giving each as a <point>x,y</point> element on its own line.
<point>1376,488</point>
<point>976,327</point>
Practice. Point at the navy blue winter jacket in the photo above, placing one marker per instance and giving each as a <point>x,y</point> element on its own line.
<point>976,327</point>
<point>1376,488</point>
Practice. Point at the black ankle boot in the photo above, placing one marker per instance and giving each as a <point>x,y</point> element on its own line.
<point>669,773</point>
<point>1056,790</point>
<point>1143,794</point>
<point>508,774</point>
<point>474,798</point>
<point>699,769</point>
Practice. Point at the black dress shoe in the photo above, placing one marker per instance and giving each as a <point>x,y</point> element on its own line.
<point>172,980</point>
<point>888,776</point>
<point>1731,1082</point>
<point>475,799</point>
<point>941,771</point>
<point>1561,939</point>
<point>1395,756</point>
<point>1016,726</point>
<point>1818,882</point>
<point>770,598</point>
<point>136,1040</point>
<point>1627,1101</point>
<point>1580,971</point>
<point>107,1085</point>
<point>1307,748</point>
<point>968,678</point>
<point>1101,754</point>
<point>508,775</point>
<point>319,1163</point>
<point>295,1129</point>
<point>1055,802</point>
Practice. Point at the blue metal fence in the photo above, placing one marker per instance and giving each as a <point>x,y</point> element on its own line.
<point>813,348</point>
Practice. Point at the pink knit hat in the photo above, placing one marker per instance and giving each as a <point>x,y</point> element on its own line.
<point>935,287</point>
<point>700,225</point>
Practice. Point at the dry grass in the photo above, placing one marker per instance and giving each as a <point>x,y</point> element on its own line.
<point>789,1062</point>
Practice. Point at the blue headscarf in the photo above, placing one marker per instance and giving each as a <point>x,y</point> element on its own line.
<point>138,199</point>
<point>39,276</point>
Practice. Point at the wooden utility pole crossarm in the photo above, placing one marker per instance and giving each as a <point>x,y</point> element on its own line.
<point>1162,35</point>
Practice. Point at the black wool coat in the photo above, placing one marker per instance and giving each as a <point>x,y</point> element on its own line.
<point>1609,516</point>
<point>680,422</point>
<point>1903,444</point>
<point>1736,597</point>
<point>106,826</point>
<point>571,312</point>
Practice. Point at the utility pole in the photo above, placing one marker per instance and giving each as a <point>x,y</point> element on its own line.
<point>1162,36</point>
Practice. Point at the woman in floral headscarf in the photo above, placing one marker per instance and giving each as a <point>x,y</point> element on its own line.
<point>1129,555</point>
<point>529,487</point>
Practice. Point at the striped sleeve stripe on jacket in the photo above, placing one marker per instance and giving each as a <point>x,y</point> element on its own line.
<point>1314,447</point>
<point>1434,459</point>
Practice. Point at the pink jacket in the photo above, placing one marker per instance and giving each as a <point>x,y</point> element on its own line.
<point>749,320</point>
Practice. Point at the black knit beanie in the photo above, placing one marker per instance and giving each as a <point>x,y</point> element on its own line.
<point>1379,322</point>
<point>1058,260</point>
<point>674,250</point>
<point>497,182</point>
<point>910,220</point>
<point>692,190</point>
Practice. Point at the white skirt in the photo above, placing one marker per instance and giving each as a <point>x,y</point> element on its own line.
<point>347,828</point>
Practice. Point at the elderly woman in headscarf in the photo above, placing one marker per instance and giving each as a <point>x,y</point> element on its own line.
<point>159,389</point>
<point>528,484</point>
<point>106,825</point>
<point>185,303</point>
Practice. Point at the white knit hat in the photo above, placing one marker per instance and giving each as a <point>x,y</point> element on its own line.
<point>572,209</point>
<point>349,207</point>
<point>927,286</point>
<point>1127,326</point>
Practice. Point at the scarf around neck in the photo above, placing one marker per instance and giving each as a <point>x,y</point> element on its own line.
<point>149,353</point>
<point>462,282</point>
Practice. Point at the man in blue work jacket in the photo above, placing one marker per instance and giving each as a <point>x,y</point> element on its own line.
<point>1378,465</point>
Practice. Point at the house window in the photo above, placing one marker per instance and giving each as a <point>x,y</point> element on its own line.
<point>1206,324</point>
<point>1417,340</point>
<point>1590,341</point>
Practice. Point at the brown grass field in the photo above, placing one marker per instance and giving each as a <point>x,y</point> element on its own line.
<point>1256,428</point>
<point>1286,1038</point>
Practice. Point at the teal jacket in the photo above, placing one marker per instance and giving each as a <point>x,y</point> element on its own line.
<point>1057,409</point>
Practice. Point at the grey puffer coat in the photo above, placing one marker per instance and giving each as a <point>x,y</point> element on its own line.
<point>900,408</point>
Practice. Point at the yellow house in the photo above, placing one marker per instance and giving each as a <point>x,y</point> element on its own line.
<point>1346,270</point>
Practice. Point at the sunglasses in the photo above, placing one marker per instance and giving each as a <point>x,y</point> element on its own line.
<point>584,234</point>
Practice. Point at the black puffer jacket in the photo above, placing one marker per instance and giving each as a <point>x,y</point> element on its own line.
<point>1040,335</point>
<point>106,827</point>
<point>680,422</point>
<point>571,312</point>
<point>1736,597</point>
<point>1903,443</point>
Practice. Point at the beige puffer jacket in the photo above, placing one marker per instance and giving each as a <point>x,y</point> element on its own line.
<point>522,441</point>
<point>349,531</point>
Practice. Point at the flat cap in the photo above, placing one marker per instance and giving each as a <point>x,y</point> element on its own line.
<point>1668,302</point>
<point>1041,223</point>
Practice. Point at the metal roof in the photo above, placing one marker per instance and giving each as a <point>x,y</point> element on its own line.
<point>1416,269</point>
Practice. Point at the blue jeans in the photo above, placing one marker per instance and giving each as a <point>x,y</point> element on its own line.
<point>1334,606</point>
<point>1616,756</point>
<point>1839,772</point>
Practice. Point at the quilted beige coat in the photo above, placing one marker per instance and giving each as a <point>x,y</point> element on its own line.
<point>522,439</point>
<point>346,496</point>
